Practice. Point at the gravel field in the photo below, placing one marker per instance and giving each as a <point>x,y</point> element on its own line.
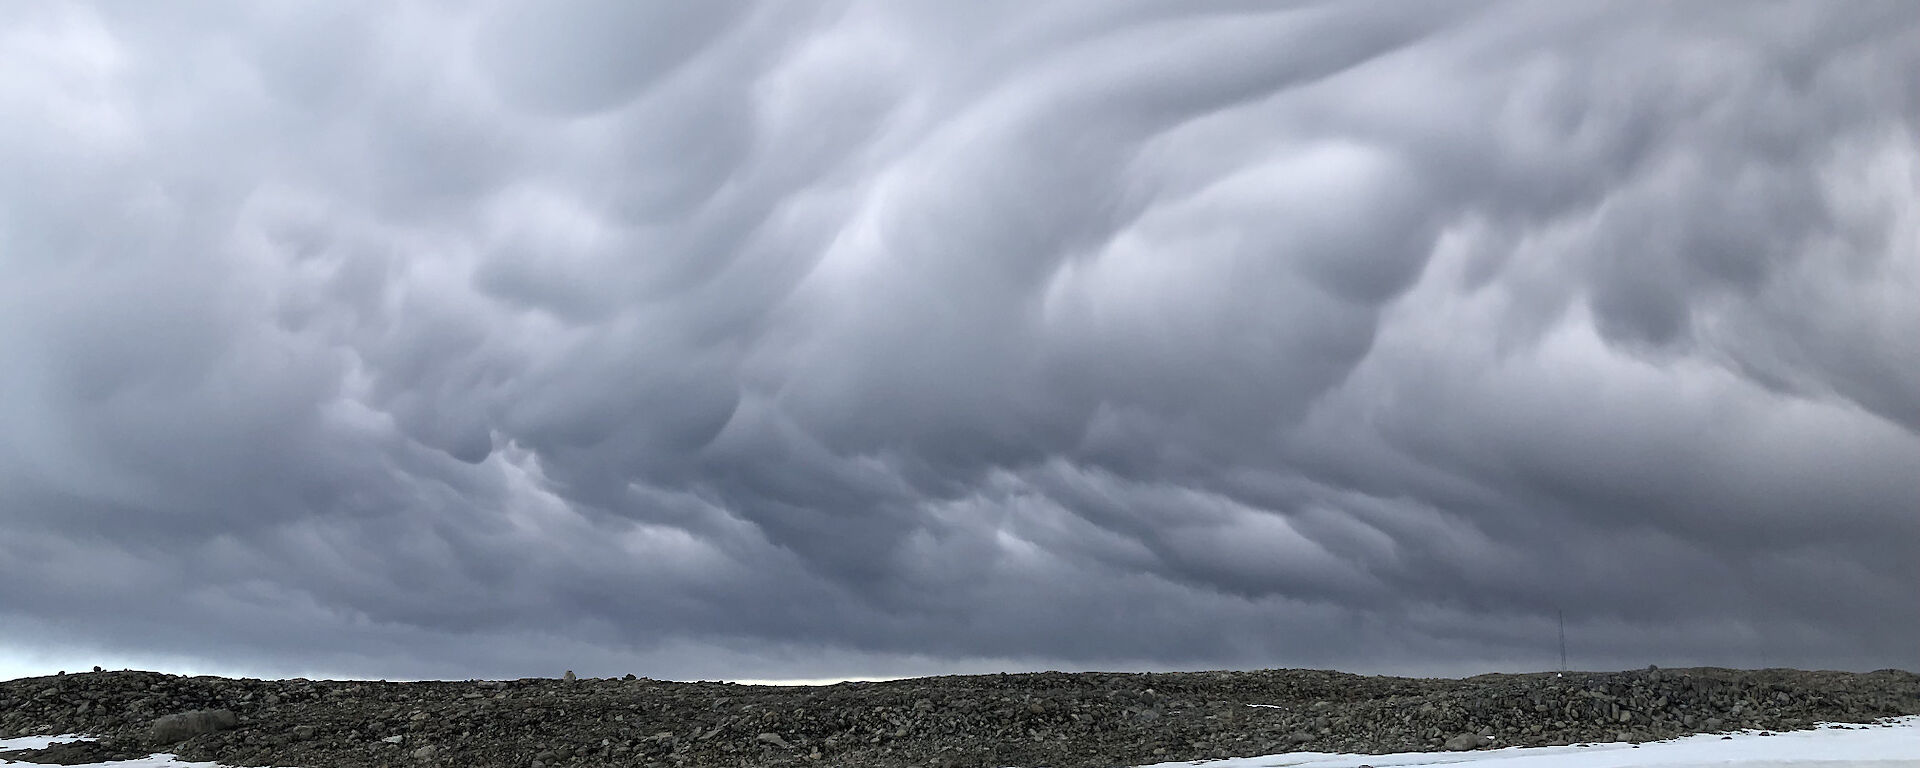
<point>1041,719</point>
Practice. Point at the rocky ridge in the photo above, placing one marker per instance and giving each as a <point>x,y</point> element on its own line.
<point>1057,719</point>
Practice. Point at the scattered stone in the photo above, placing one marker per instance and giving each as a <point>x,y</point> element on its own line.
<point>394,739</point>
<point>304,732</point>
<point>427,752</point>
<point>774,739</point>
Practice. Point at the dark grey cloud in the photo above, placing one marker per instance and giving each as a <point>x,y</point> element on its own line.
<point>795,340</point>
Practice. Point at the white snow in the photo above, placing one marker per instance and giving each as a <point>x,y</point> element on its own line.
<point>39,742</point>
<point>1890,744</point>
<point>1893,743</point>
<point>155,760</point>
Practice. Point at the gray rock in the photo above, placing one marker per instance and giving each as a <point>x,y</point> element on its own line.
<point>304,732</point>
<point>1466,741</point>
<point>774,739</point>
<point>394,739</point>
<point>175,728</point>
<point>427,752</point>
<point>1299,737</point>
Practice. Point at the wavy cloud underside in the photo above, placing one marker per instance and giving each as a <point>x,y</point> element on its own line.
<point>795,340</point>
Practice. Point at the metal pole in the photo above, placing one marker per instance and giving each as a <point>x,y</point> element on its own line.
<point>1563,637</point>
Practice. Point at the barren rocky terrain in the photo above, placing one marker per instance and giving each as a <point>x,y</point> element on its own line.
<point>1041,719</point>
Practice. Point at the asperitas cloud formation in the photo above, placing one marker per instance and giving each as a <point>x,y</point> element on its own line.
<point>791,340</point>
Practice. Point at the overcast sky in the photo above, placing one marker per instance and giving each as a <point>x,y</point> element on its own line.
<point>800,340</point>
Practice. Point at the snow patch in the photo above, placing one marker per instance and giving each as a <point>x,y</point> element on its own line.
<point>1892,743</point>
<point>155,760</point>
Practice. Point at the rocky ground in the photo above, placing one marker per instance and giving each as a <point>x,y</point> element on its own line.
<point>1042,719</point>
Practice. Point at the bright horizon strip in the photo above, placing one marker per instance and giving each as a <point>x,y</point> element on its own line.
<point>800,682</point>
<point>15,666</point>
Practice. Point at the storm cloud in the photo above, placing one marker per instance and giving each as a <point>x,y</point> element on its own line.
<point>794,340</point>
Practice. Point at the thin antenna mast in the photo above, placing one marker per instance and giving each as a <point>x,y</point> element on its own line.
<point>1562,615</point>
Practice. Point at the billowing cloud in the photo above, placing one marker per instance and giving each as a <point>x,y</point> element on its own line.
<point>796,340</point>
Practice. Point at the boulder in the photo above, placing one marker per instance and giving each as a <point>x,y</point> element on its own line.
<point>178,727</point>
